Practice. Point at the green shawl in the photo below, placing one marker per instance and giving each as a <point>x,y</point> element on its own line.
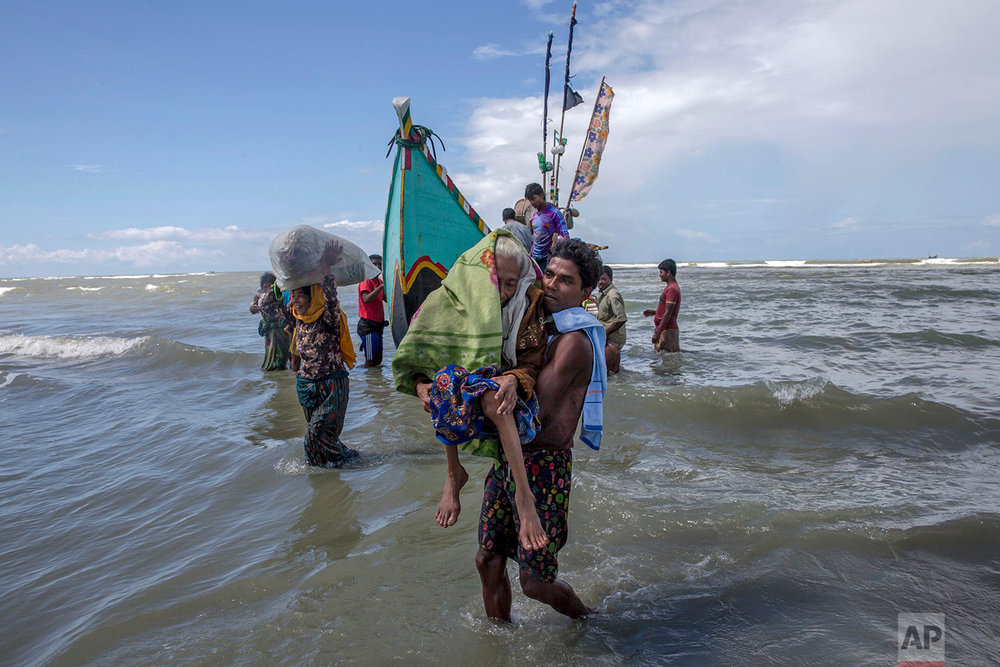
<point>458,323</point>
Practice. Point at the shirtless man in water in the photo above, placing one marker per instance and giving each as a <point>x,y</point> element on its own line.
<point>571,275</point>
<point>514,273</point>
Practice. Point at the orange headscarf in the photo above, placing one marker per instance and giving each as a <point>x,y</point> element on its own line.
<point>316,305</point>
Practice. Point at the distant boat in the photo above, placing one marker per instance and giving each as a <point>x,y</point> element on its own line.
<point>428,223</point>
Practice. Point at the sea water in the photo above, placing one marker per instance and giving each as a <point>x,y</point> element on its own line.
<point>820,458</point>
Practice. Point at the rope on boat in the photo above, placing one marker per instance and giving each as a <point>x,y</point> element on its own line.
<point>425,134</point>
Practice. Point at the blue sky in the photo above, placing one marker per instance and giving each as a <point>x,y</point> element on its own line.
<point>162,137</point>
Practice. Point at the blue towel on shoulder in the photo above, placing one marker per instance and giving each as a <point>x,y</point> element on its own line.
<point>578,319</point>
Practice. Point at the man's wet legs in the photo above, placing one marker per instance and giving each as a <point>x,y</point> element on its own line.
<point>559,595</point>
<point>496,584</point>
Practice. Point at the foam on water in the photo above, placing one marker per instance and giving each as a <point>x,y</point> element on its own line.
<point>86,289</point>
<point>4,290</point>
<point>68,347</point>
<point>793,392</point>
<point>943,261</point>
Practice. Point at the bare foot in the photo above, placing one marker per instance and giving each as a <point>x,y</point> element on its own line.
<point>450,505</point>
<point>531,535</point>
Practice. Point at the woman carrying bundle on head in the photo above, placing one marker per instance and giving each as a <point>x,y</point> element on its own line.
<point>321,352</point>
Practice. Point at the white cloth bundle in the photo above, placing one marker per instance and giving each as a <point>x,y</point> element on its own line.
<point>296,253</point>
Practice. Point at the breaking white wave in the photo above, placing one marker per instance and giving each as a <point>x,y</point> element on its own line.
<point>86,289</point>
<point>146,275</point>
<point>4,290</point>
<point>952,261</point>
<point>68,347</point>
<point>793,392</point>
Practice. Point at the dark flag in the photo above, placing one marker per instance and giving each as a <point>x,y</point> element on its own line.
<point>570,98</point>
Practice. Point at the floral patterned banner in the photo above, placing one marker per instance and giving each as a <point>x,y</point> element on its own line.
<point>597,136</point>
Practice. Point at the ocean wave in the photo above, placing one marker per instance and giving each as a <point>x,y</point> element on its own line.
<point>937,339</point>
<point>68,347</point>
<point>936,262</point>
<point>788,393</point>
<point>147,275</point>
<point>709,265</point>
<point>814,405</point>
<point>86,289</point>
<point>4,290</point>
<point>973,537</point>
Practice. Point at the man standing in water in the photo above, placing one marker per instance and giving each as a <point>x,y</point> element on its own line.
<point>371,317</point>
<point>611,313</point>
<point>565,382</point>
<point>666,335</point>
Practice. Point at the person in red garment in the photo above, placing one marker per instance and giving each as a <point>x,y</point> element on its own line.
<point>371,316</point>
<point>666,335</point>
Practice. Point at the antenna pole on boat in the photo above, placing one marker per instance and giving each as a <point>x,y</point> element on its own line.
<point>544,166</point>
<point>558,143</point>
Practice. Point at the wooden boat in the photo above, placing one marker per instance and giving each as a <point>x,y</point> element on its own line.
<point>428,223</point>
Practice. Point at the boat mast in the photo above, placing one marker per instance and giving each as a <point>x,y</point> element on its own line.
<point>544,166</point>
<point>559,143</point>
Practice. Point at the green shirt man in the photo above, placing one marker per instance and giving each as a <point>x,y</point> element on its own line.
<point>611,313</point>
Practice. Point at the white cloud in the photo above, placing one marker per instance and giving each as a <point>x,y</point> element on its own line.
<point>156,253</point>
<point>803,75</point>
<point>850,223</point>
<point>991,220</point>
<point>169,233</point>
<point>90,168</point>
<point>491,52</point>
<point>367,225</point>
<point>367,234</point>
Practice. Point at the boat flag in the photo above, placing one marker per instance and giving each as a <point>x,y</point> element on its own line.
<point>593,147</point>
<point>571,98</point>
